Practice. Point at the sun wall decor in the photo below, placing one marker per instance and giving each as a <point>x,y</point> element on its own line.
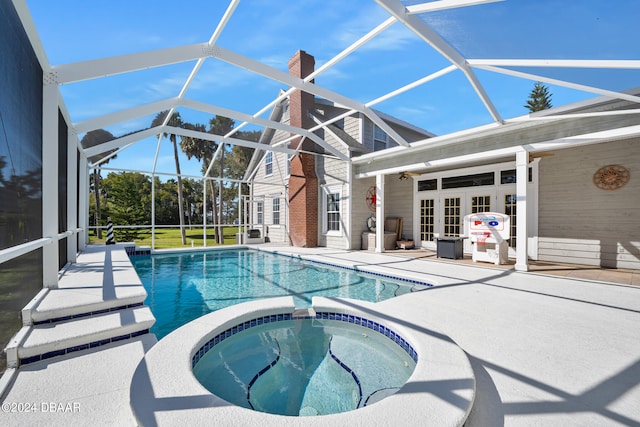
<point>611,177</point>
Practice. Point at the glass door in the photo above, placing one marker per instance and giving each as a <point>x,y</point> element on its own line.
<point>451,216</point>
<point>427,222</point>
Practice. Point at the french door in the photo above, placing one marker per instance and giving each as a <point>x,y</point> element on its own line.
<point>443,215</point>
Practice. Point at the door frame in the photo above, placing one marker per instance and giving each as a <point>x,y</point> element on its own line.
<point>497,191</point>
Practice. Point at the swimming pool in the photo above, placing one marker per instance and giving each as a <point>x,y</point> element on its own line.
<point>184,286</point>
<point>305,366</point>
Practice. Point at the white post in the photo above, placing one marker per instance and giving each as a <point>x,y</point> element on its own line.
<point>239,216</point>
<point>50,180</point>
<point>345,216</point>
<point>72,190</point>
<point>204,212</point>
<point>522,179</point>
<point>83,221</point>
<point>379,213</point>
<point>153,212</point>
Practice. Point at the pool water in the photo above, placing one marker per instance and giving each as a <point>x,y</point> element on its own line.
<point>305,367</point>
<point>182,287</point>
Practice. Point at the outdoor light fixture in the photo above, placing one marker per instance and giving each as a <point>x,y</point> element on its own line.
<point>405,175</point>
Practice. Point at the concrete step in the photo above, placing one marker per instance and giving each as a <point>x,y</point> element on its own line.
<point>102,279</point>
<point>55,305</point>
<point>43,341</point>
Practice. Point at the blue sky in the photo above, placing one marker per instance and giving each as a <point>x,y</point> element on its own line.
<point>272,31</point>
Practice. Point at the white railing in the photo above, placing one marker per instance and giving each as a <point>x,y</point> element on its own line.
<point>24,248</point>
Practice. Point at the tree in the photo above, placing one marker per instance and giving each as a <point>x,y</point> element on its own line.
<point>238,161</point>
<point>539,98</point>
<point>175,121</point>
<point>91,139</point>
<point>128,200</point>
<point>193,199</point>
<point>165,202</point>
<point>203,150</point>
<point>220,125</point>
<point>231,164</point>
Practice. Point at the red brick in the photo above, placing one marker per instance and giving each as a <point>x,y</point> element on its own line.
<point>303,182</point>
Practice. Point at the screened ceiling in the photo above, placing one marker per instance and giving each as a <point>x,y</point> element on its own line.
<point>444,65</point>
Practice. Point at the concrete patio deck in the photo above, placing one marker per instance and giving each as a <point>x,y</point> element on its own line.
<point>545,350</point>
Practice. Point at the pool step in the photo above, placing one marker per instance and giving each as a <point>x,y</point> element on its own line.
<point>43,341</point>
<point>98,300</point>
<point>102,279</point>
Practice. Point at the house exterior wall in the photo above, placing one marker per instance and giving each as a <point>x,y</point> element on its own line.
<point>580,223</point>
<point>367,133</point>
<point>351,124</point>
<point>399,203</point>
<point>360,210</point>
<point>409,135</point>
<point>265,187</point>
<point>333,174</point>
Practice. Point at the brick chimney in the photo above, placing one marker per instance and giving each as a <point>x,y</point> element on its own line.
<point>303,182</point>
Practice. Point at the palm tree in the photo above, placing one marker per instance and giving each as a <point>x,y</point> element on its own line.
<point>175,121</point>
<point>91,139</point>
<point>203,150</point>
<point>220,125</point>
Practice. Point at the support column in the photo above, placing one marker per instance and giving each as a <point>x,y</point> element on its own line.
<point>50,180</point>
<point>204,212</point>
<point>83,191</point>
<point>153,212</point>
<point>346,216</point>
<point>72,191</point>
<point>522,235</point>
<point>380,213</point>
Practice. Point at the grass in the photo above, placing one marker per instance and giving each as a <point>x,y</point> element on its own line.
<point>170,237</point>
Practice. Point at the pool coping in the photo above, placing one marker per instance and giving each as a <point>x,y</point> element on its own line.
<point>164,390</point>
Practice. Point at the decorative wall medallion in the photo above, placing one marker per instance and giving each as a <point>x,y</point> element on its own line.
<point>611,177</point>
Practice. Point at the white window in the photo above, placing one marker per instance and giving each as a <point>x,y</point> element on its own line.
<point>259,212</point>
<point>268,163</point>
<point>276,210</point>
<point>332,218</point>
<point>380,139</point>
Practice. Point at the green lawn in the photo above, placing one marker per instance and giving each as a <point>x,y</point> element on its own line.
<point>169,237</point>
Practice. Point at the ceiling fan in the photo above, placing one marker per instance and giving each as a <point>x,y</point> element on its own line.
<point>405,175</point>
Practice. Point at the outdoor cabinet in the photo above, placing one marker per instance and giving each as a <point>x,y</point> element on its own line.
<point>449,247</point>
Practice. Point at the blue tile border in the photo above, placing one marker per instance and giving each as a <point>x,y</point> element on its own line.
<point>262,372</point>
<point>135,251</point>
<point>73,349</point>
<point>88,314</point>
<point>355,268</point>
<point>347,318</point>
<point>349,371</point>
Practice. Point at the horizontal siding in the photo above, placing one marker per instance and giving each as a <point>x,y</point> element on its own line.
<point>278,234</point>
<point>580,223</point>
<point>352,126</point>
<point>359,210</point>
<point>399,203</point>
